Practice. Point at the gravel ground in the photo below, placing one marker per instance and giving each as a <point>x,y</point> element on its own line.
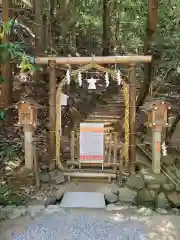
<point>84,224</point>
<point>89,225</point>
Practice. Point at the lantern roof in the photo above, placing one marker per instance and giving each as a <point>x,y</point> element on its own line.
<point>149,106</point>
<point>30,101</point>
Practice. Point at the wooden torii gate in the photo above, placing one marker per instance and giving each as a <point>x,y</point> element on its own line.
<point>131,61</point>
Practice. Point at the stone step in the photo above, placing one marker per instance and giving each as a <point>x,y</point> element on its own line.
<point>105,116</point>
<point>115,96</point>
<point>99,121</point>
<point>111,104</point>
<point>92,200</point>
<point>115,99</point>
<point>108,129</point>
<point>105,113</point>
<point>105,123</point>
<point>107,107</point>
<point>112,121</point>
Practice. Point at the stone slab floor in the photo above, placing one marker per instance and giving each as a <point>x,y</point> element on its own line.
<point>91,200</point>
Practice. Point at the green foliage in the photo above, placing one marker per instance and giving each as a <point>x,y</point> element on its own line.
<point>7,197</point>
<point>128,20</point>
<point>12,51</point>
<point>8,150</point>
<point>1,79</point>
<point>15,51</point>
<point>27,64</point>
<point>2,115</point>
<point>7,28</point>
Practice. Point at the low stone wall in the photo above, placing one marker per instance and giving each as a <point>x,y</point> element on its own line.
<point>153,191</point>
<point>156,190</point>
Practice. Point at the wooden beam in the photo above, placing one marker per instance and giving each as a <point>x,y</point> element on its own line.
<point>95,60</point>
<point>105,164</point>
<point>90,175</point>
<point>132,113</point>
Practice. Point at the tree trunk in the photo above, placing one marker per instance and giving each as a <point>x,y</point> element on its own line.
<point>39,31</point>
<point>6,71</point>
<point>63,10</point>
<point>106,27</point>
<point>148,68</point>
<point>73,38</point>
<point>39,27</point>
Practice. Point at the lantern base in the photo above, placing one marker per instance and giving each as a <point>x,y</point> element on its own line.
<point>28,141</point>
<point>156,151</point>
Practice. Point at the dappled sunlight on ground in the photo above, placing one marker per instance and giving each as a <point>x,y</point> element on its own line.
<point>159,227</point>
<point>163,229</point>
<point>121,217</point>
<point>156,227</point>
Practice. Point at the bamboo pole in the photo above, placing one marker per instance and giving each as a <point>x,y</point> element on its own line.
<point>52,113</point>
<point>94,60</point>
